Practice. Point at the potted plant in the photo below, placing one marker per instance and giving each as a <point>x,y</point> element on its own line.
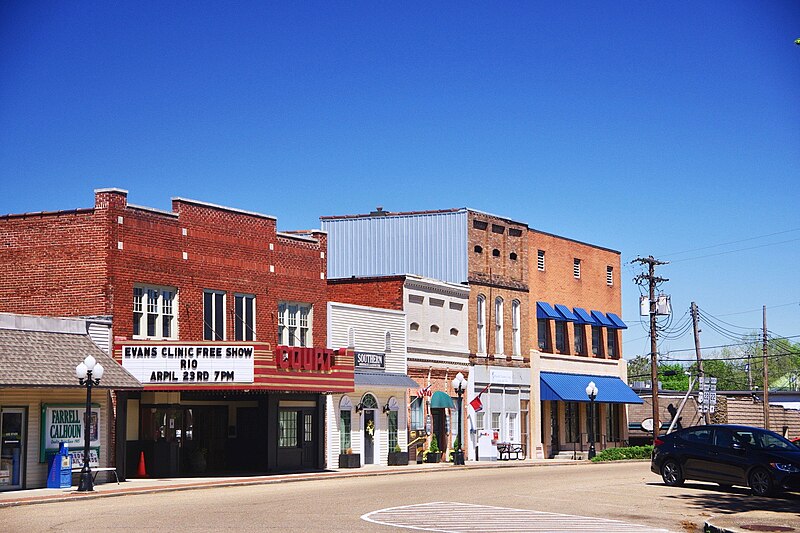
<point>398,457</point>
<point>456,447</point>
<point>348,459</point>
<point>433,453</point>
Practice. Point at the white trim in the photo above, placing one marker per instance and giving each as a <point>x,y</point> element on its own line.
<point>225,208</point>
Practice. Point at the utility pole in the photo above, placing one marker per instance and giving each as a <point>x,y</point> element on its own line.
<point>766,372</point>
<point>749,373</point>
<point>652,280</point>
<point>702,374</point>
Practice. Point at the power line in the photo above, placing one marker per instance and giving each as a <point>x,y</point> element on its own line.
<point>733,251</point>
<point>733,242</point>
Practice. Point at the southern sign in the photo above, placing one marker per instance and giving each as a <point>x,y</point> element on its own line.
<point>375,361</point>
<point>65,423</point>
<point>186,363</point>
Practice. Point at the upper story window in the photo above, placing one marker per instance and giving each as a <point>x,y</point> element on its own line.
<point>497,228</point>
<point>154,312</point>
<point>414,326</point>
<point>351,336</point>
<point>517,349</point>
<point>478,249</point>
<point>609,275</point>
<point>479,224</point>
<point>561,336</point>
<point>388,342</point>
<point>294,324</point>
<point>611,342</point>
<point>213,315</point>
<point>434,328</point>
<point>597,341</point>
<point>514,232</point>
<point>540,260</point>
<point>576,268</point>
<point>495,253</point>
<point>513,256</point>
<point>498,322</point>
<point>580,341</point>
<point>244,325</point>
<point>543,330</point>
<point>481,309</point>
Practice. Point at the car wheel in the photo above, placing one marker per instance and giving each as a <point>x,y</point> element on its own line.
<point>760,482</point>
<point>671,473</point>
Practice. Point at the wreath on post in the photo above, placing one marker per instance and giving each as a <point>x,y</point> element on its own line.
<point>371,428</point>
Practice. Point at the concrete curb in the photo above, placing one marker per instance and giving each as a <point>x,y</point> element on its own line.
<point>750,521</point>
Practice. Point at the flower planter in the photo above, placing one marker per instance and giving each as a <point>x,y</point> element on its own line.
<point>433,457</point>
<point>398,458</point>
<point>349,460</point>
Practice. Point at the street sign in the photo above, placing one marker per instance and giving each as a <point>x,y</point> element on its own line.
<point>707,396</point>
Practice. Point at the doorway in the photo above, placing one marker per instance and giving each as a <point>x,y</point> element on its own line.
<point>369,436</point>
<point>12,447</point>
<point>554,428</point>
<point>440,427</point>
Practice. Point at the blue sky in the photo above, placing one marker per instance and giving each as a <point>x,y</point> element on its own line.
<point>646,128</point>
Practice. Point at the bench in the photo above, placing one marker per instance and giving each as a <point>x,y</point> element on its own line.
<point>506,449</point>
<point>96,470</point>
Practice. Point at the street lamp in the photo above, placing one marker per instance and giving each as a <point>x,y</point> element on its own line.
<point>591,392</point>
<point>89,373</point>
<point>459,385</point>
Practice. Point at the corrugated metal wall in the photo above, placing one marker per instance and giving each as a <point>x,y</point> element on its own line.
<point>427,244</point>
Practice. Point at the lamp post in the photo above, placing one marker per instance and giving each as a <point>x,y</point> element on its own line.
<point>459,384</point>
<point>89,373</point>
<point>591,392</point>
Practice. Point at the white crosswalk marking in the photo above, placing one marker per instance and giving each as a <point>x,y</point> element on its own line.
<point>453,517</point>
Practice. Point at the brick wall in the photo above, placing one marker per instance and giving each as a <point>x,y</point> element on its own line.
<point>384,292</point>
<point>87,262</point>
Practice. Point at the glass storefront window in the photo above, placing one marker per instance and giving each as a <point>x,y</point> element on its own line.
<point>12,440</point>
<point>287,432</point>
<point>344,430</point>
<point>392,430</point>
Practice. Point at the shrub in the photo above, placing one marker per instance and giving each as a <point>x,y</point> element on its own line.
<point>434,444</point>
<point>621,454</point>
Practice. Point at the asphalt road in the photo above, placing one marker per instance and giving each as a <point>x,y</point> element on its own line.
<point>498,499</point>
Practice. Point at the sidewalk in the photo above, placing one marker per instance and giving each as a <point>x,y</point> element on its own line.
<point>150,485</point>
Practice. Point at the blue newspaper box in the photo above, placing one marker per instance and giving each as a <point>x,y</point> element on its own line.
<point>60,474</point>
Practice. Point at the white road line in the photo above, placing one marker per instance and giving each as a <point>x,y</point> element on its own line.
<point>454,517</point>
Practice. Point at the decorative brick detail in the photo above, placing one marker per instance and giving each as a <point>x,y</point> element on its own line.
<point>384,292</point>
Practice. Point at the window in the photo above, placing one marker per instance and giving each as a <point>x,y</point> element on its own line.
<point>287,429</point>
<point>593,419</point>
<point>612,422</point>
<point>434,328</point>
<point>513,232</point>
<point>478,224</point>
<point>388,342</point>
<point>308,427</point>
<point>511,427</point>
<point>481,324</point>
<point>517,348</point>
<point>294,324</point>
<point>351,337</point>
<point>700,434</point>
<point>435,302</point>
<point>478,249</point>
<point>580,341</point>
<point>609,275</point>
<point>454,332</point>
<point>576,268</point>
<point>498,324</point>
<point>392,430</point>
<point>496,228</point>
<point>572,421</point>
<point>597,341</point>
<point>455,306</point>
<point>213,315</point>
<point>544,335</point>
<point>495,253</point>
<point>244,326</point>
<point>414,326</point>
<point>154,312</point>
<point>612,342</point>
<point>513,256</point>
<point>496,423</point>
<point>345,421</point>
<point>480,420</point>
<point>561,336</point>
<point>417,419</point>
<point>540,260</point>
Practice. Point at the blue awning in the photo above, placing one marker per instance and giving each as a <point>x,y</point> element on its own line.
<point>584,317</point>
<point>545,310</point>
<point>566,313</point>
<point>618,323</point>
<point>602,319</point>
<point>572,388</point>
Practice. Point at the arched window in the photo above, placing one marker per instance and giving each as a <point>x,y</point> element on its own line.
<point>454,332</point>
<point>513,256</point>
<point>495,253</point>
<point>478,249</point>
<point>515,327</point>
<point>481,323</point>
<point>434,328</point>
<point>368,401</point>
<point>498,325</point>
<point>388,343</point>
<point>414,326</point>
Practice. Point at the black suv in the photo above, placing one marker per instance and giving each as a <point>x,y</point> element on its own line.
<point>728,455</point>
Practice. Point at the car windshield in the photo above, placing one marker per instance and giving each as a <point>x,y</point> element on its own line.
<point>762,439</point>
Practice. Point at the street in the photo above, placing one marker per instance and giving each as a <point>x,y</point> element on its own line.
<point>469,500</point>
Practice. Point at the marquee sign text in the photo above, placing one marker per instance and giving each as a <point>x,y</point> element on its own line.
<point>166,364</point>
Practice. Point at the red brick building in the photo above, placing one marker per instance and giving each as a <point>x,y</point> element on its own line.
<point>210,307</point>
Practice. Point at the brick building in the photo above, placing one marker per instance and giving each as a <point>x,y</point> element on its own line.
<point>218,314</point>
<point>577,294</point>
<point>487,254</point>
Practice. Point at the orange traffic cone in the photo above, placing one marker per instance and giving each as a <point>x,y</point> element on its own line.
<point>142,471</point>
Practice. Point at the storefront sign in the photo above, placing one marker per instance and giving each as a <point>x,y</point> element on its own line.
<point>501,377</point>
<point>296,358</point>
<point>371,360</point>
<point>180,364</point>
<point>65,423</point>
